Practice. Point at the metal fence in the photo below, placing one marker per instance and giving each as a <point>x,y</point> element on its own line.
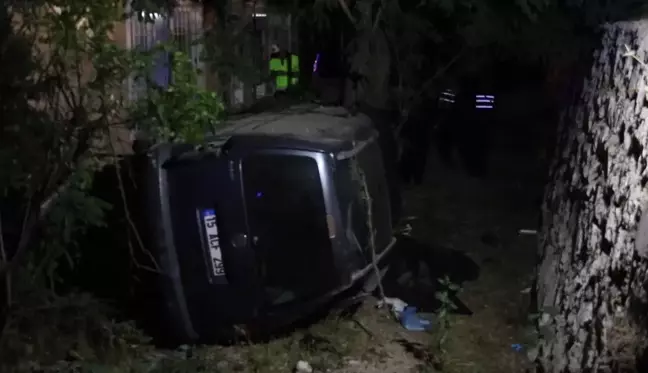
<point>183,26</point>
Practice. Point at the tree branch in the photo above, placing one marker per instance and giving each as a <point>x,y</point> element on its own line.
<point>428,85</point>
<point>347,11</point>
<point>32,222</point>
<point>120,181</point>
<point>3,259</point>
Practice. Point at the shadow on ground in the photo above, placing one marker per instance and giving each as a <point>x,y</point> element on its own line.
<point>416,269</point>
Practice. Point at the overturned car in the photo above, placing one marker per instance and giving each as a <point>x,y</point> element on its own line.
<point>271,217</point>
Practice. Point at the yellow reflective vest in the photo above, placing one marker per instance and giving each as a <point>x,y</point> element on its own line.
<point>294,65</point>
<point>279,67</point>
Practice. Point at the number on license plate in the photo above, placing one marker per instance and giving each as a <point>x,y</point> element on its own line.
<point>213,242</point>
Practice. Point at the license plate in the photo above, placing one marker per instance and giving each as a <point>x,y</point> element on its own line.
<point>213,242</point>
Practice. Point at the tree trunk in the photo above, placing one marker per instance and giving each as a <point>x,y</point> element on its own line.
<point>591,283</point>
<point>371,59</point>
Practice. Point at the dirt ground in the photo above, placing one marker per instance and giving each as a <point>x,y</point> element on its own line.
<point>480,218</point>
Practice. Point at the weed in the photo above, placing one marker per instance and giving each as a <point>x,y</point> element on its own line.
<point>447,306</point>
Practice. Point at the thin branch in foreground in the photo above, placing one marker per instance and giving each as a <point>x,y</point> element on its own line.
<point>372,232</point>
<point>3,259</point>
<point>347,11</point>
<point>131,223</point>
<point>31,222</point>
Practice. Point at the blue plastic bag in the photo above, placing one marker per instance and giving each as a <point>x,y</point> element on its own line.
<point>413,321</point>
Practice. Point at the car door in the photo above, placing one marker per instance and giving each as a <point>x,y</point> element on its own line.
<point>286,213</point>
<point>216,263</point>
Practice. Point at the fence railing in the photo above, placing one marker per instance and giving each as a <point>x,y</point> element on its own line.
<point>183,26</point>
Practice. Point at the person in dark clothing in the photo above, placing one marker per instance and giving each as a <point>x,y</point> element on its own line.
<point>476,124</point>
<point>416,137</point>
<point>446,136</point>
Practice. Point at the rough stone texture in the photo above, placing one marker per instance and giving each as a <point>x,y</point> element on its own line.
<point>591,278</point>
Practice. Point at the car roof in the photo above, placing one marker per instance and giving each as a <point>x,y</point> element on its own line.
<point>311,123</point>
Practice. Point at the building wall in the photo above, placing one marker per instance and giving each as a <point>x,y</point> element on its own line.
<point>120,136</point>
<point>130,34</point>
<point>61,109</point>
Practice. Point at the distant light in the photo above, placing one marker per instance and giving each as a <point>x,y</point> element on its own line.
<point>259,15</point>
<point>484,101</point>
<point>447,96</point>
<point>317,57</point>
<point>259,195</point>
<point>153,16</point>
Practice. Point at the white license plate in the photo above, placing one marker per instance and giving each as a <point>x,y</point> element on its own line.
<point>213,242</point>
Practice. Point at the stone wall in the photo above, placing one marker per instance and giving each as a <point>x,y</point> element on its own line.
<point>591,277</point>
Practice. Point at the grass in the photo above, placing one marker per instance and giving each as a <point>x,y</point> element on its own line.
<point>329,345</point>
<point>485,227</point>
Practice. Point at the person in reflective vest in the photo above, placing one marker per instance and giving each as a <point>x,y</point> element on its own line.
<point>294,69</point>
<point>284,68</point>
<point>446,136</point>
<point>278,69</point>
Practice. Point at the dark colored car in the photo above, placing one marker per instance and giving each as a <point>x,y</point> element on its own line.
<point>266,219</point>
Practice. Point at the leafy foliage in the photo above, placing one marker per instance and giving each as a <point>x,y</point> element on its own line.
<point>180,112</point>
<point>73,214</point>
<point>62,102</point>
<point>431,43</point>
<point>58,110</point>
<point>230,49</point>
<point>447,307</point>
<point>436,43</point>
